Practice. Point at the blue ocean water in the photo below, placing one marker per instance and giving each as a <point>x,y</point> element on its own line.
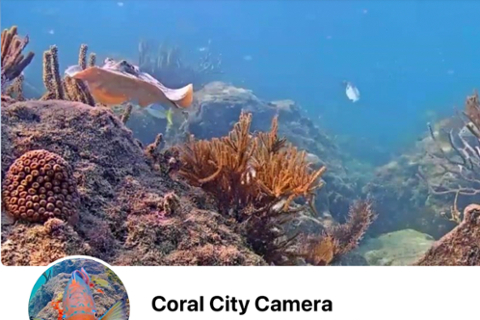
<point>411,60</point>
<point>40,282</point>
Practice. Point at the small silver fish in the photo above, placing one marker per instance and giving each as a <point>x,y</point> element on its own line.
<point>351,91</point>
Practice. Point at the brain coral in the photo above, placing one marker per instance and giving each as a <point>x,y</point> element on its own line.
<point>40,185</point>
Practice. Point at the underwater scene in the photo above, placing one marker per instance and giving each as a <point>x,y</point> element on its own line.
<point>240,132</point>
<point>78,286</point>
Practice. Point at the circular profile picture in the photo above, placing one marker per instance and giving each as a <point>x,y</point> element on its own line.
<point>79,288</point>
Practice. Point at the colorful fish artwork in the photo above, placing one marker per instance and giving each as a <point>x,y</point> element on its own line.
<point>78,302</point>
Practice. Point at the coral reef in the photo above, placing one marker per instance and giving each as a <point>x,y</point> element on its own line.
<point>458,166</point>
<point>402,197</point>
<point>16,89</point>
<point>127,212</point>
<point>40,245</point>
<point>254,178</point>
<point>430,184</point>
<point>168,65</point>
<point>218,106</point>
<point>68,88</point>
<point>13,61</point>
<point>39,186</point>
<point>339,240</point>
<point>398,248</point>
<point>461,246</point>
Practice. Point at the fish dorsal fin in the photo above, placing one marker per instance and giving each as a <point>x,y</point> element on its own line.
<point>73,70</point>
<point>116,312</point>
<point>182,97</point>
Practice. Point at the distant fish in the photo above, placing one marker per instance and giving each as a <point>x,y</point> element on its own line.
<point>51,31</point>
<point>161,114</point>
<point>120,4</point>
<point>312,158</point>
<point>101,282</point>
<point>247,58</point>
<point>351,91</point>
<point>202,49</point>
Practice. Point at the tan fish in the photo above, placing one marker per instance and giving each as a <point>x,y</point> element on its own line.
<point>118,82</point>
<point>101,282</point>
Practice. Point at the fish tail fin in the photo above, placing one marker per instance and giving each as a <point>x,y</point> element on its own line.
<point>187,99</point>
<point>169,116</point>
<point>116,312</point>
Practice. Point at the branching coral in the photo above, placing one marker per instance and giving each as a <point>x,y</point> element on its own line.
<point>68,88</point>
<point>242,169</point>
<point>168,65</point>
<point>340,239</point>
<point>16,89</point>
<point>13,61</point>
<point>254,179</point>
<point>460,167</point>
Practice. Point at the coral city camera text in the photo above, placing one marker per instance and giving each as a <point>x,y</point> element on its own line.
<point>232,304</point>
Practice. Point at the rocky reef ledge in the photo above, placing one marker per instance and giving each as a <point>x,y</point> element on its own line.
<point>128,213</point>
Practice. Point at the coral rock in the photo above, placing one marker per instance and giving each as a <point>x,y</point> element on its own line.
<point>39,185</point>
<point>459,247</point>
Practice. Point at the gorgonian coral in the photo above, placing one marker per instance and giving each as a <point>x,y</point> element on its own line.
<point>339,239</point>
<point>13,61</point>
<point>242,170</point>
<point>254,178</point>
<point>457,169</point>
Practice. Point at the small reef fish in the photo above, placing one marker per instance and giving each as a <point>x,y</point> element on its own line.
<point>101,282</point>
<point>351,91</point>
<point>78,303</point>
<point>312,158</point>
<point>118,82</point>
<point>248,58</point>
<point>161,114</point>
